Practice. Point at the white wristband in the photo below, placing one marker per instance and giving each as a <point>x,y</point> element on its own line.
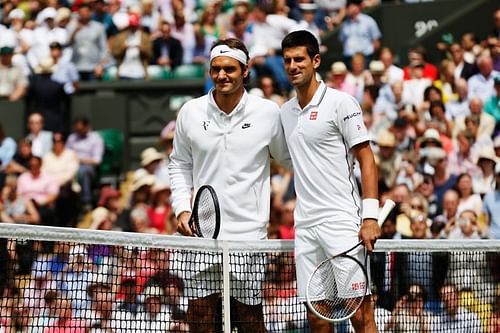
<point>370,208</point>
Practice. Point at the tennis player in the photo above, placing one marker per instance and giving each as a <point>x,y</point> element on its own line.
<point>226,139</point>
<point>325,133</point>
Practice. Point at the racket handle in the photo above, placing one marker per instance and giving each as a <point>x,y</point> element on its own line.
<point>384,212</point>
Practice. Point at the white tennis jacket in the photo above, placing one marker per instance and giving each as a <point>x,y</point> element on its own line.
<point>232,153</point>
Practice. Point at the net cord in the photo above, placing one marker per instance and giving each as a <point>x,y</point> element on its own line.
<point>120,238</point>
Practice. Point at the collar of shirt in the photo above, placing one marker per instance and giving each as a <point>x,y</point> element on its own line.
<point>315,101</point>
<point>240,106</point>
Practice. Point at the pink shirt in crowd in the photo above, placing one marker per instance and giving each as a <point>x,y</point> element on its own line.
<point>38,188</point>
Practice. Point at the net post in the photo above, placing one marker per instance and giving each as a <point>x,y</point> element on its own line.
<point>226,287</point>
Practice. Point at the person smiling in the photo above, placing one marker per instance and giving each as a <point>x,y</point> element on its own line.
<point>226,139</point>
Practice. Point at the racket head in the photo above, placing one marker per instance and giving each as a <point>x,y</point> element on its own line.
<point>205,218</point>
<point>337,287</point>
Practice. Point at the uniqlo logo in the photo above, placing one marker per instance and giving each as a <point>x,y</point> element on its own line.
<point>314,115</point>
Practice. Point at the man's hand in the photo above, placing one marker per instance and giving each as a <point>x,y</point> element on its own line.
<point>369,233</point>
<point>183,224</point>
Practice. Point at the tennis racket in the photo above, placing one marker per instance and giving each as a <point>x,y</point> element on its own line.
<point>336,288</point>
<point>205,218</point>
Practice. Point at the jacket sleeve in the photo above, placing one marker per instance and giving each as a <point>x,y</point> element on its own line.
<point>181,166</point>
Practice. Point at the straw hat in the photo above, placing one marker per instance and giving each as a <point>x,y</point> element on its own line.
<point>63,13</point>
<point>376,66</point>
<point>98,216</point>
<point>150,155</point>
<point>146,180</point>
<point>431,135</point>
<point>487,153</point>
<point>160,186</point>
<point>338,67</point>
<point>46,66</point>
<point>386,139</point>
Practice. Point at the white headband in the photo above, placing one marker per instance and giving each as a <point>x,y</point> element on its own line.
<point>226,51</point>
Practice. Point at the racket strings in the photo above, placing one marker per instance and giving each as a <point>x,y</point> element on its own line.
<point>336,290</point>
<point>206,215</point>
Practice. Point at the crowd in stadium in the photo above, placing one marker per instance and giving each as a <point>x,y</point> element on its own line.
<point>435,130</point>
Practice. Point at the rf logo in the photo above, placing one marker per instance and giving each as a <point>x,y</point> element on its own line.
<point>205,124</point>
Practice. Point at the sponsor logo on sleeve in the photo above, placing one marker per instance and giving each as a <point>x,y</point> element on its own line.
<point>352,115</point>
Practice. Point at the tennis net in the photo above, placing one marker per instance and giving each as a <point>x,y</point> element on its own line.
<point>74,280</point>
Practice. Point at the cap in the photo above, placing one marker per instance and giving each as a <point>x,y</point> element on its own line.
<point>150,155</point>
<point>6,50</point>
<point>339,67</point>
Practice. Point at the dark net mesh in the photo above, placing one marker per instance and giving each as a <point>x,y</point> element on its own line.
<point>77,286</point>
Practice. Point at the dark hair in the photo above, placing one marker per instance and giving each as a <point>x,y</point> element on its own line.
<point>235,43</point>
<point>81,119</point>
<point>301,38</point>
<point>427,92</point>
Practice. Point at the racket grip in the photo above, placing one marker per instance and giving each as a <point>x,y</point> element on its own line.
<point>384,212</point>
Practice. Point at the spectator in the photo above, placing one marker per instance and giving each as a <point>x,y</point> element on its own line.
<point>463,69</point>
<point>48,98</point>
<point>416,55</point>
<point>481,84</point>
<point>155,315</point>
<point>88,40</point>
<point>45,33</point>
<point>42,188</point>
<point>337,79</point>
<point>468,200</point>
<point>139,220</point>
<point>268,87</point>
<point>16,208</point>
<point>41,140</point>
<point>287,225</point>
<point>62,164</point>
<point>485,181</point>
<point>464,156</point>
<point>414,86</point>
<point>455,318</point>
<point>459,108</point>
<point>167,50</point>
<point>358,33</point>
<point>491,106</point>
<point>150,17</point>
<point>486,121</point>
<point>308,19</point>
<point>491,207</point>
<point>392,72</point>
<point>184,32</point>
<point>140,197</point>
<point>446,80</point>
<point>127,293</point>
<point>450,207</point>
<point>390,101</point>
<point>409,315</point>
<point>464,227</point>
<point>359,76</point>
<point>132,51</point>
<point>160,209</point>
<point>151,162</point>
<point>89,147</point>
<point>65,71</point>
<point>387,158</point>
<point>20,161</point>
<point>7,151</point>
<point>426,188</point>
<point>66,321</point>
<point>13,82</point>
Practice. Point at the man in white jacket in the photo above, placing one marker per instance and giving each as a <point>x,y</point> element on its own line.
<point>226,139</point>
